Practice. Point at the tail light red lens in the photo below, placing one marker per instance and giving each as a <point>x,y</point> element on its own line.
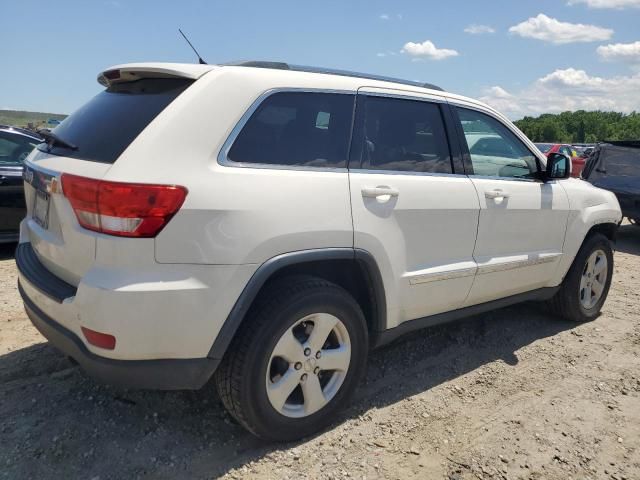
<point>122,209</point>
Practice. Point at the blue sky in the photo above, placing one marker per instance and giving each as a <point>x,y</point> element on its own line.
<point>530,63</point>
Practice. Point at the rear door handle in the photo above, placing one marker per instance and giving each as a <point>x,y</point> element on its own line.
<point>497,193</point>
<point>380,191</point>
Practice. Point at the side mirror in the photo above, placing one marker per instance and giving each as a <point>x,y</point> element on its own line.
<point>558,166</point>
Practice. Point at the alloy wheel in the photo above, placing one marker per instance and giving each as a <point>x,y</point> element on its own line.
<point>308,365</point>
<point>594,279</point>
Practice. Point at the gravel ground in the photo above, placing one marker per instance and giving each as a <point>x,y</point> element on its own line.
<point>514,394</point>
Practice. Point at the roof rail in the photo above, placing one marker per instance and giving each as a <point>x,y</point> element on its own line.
<point>258,64</point>
<point>330,71</point>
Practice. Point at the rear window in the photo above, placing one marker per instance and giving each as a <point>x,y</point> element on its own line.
<point>104,127</point>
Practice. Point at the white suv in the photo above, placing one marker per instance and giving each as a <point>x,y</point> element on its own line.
<point>267,225</point>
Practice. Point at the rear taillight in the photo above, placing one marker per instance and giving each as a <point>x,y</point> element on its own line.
<point>122,209</point>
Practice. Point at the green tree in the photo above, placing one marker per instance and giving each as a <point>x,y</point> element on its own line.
<point>581,133</point>
<point>581,127</point>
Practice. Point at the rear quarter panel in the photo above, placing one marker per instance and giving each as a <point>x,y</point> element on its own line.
<point>233,215</point>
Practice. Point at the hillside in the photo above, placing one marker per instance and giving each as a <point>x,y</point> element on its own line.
<point>21,118</point>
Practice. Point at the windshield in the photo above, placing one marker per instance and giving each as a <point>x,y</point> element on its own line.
<point>104,127</point>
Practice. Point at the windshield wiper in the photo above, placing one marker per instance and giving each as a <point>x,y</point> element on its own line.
<point>51,139</point>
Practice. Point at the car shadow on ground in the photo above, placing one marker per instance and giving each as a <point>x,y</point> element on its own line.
<point>7,250</point>
<point>628,240</point>
<point>62,424</point>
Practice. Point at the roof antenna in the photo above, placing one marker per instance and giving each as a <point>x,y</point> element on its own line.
<point>200,60</point>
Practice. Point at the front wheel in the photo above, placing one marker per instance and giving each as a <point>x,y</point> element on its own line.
<point>296,360</point>
<point>586,285</point>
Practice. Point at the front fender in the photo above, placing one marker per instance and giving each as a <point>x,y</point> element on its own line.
<point>590,207</point>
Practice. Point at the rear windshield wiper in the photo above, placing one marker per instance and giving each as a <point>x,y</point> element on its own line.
<point>51,139</point>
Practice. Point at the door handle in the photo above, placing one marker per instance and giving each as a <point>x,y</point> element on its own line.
<point>380,191</point>
<point>495,194</point>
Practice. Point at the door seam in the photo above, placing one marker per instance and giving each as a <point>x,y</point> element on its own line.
<point>475,242</point>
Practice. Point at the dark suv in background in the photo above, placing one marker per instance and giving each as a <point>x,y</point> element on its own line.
<point>15,146</point>
<point>615,166</point>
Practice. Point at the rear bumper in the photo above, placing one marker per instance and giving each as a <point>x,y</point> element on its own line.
<point>169,374</point>
<point>155,311</point>
<point>35,273</point>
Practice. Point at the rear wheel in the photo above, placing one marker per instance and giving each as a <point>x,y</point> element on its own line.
<point>586,285</point>
<point>296,360</point>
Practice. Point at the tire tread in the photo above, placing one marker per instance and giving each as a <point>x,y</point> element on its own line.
<point>563,303</point>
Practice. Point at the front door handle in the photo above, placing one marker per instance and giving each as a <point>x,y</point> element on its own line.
<point>379,191</point>
<point>495,194</point>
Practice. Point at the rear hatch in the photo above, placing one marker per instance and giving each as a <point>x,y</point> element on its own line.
<point>87,144</point>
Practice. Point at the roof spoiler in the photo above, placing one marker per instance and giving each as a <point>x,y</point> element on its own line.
<point>136,71</point>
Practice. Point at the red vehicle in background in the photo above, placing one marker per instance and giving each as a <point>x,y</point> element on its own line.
<point>577,162</point>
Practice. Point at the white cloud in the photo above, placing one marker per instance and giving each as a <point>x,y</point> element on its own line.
<point>475,29</point>
<point>428,50</point>
<point>501,100</point>
<point>551,30</point>
<point>499,92</point>
<point>568,89</point>
<point>626,52</point>
<point>381,54</point>
<point>384,16</point>
<point>619,4</point>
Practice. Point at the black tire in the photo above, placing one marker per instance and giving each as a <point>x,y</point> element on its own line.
<point>241,378</point>
<point>566,302</point>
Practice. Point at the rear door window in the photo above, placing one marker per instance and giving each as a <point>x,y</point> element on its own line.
<point>302,129</point>
<point>105,126</point>
<point>401,135</point>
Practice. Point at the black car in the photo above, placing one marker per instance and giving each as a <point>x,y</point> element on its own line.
<point>15,146</point>
<point>615,166</point>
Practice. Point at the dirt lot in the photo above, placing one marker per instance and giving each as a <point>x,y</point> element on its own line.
<point>511,394</point>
